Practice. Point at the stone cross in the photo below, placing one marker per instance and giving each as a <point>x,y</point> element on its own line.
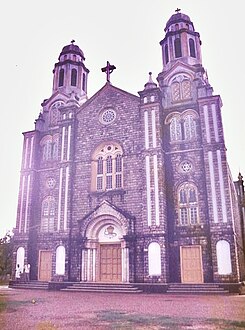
<point>108,69</point>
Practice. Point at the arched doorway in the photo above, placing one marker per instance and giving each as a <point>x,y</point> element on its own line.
<point>105,256</point>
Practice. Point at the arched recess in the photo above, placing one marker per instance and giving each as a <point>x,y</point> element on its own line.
<point>154,259</point>
<point>223,257</point>
<point>60,260</point>
<point>20,258</point>
<point>105,246</point>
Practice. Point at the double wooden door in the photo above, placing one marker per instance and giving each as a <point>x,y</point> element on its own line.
<point>110,263</point>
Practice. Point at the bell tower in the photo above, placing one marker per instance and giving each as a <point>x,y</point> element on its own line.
<point>181,42</point>
<point>70,73</point>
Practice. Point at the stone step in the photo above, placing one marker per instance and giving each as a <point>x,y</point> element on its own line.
<point>70,289</point>
<point>196,292</point>
<point>31,285</point>
<point>205,288</point>
<point>102,287</point>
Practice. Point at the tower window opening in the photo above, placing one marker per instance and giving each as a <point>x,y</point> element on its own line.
<point>61,77</point>
<point>166,54</point>
<point>192,48</point>
<point>177,48</point>
<point>73,77</point>
<point>84,82</point>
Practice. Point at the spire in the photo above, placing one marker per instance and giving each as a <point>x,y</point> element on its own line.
<point>150,84</point>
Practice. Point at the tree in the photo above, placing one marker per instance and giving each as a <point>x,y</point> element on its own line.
<point>6,252</point>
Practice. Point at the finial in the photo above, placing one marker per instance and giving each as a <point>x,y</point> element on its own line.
<point>72,42</point>
<point>177,10</point>
<point>240,177</point>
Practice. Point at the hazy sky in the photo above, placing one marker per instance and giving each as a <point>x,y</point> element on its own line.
<point>127,33</point>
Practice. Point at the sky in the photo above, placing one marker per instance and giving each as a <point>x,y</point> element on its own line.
<point>126,33</point>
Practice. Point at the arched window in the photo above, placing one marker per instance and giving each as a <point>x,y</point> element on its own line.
<point>48,213</point>
<point>49,145</point>
<point>61,77</point>
<point>186,89</point>
<point>73,77</point>
<point>166,54</point>
<point>108,165</point>
<point>154,259</point>
<point>181,88</point>
<point>176,96</point>
<point>177,48</point>
<point>20,258</point>
<point>109,172</point>
<point>189,127</point>
<point>223,257</point>
<point>54,113</point>
<point>60,260</point>
<point>118,171</point>
<point>192,48</point>
<point>175,129</point>
<point>188,205</point>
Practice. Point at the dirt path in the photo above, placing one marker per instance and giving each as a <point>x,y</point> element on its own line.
<point>36,309</point>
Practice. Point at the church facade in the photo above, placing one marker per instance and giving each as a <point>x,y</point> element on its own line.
<point>125,188</point>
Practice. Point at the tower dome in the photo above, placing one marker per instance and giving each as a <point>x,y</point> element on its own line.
<point>178,18</point>
<point>72,49</point>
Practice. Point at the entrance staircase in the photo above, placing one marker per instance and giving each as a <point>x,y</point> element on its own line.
<point>35,285</point>
<point>204,288</point>
<point>102,287</point>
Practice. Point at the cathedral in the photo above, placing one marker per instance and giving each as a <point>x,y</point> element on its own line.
<point>130,188</point>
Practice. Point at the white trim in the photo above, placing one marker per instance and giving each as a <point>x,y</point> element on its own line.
<point>206,120</point>
<point>156,190</point>
<point>88,264</point>
<point>66,197</point>
<point>60,196</point>
<point>83,266</point>
<point>63,142</point>
<point>222,187</point>
<point>21,202</point>
<point>214,115</point>
<point>26,150</point>
<point>94,263</point>
<point>153,123</point>
<point>31,151</point>
<point>212,182</point>
<point>68,143</point>
<point>27,202</point>
<point>146,121</point>
<point>148,189</point>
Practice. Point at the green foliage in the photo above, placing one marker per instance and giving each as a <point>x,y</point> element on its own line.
<point>6,252</point>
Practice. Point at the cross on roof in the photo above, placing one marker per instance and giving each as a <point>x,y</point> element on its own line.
<point>72,42</point>
<point>108,69</point>
<point>177,10</point>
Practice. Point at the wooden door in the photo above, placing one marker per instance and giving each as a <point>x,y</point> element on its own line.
<point>45,266</point>
<point>191,264</point>
<point>110,263</point>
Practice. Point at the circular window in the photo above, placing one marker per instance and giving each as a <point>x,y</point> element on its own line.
<point>50,183</point>
<point>186,166</point>
<point>108,116</point>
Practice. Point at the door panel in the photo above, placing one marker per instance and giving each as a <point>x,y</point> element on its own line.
<point>45,266</point>
<point>191,264</point>
<point>110,263</point>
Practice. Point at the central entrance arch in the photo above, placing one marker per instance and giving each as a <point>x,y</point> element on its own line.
<point>105,253</point>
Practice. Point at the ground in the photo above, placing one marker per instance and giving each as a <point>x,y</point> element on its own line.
<point>40,309</point>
